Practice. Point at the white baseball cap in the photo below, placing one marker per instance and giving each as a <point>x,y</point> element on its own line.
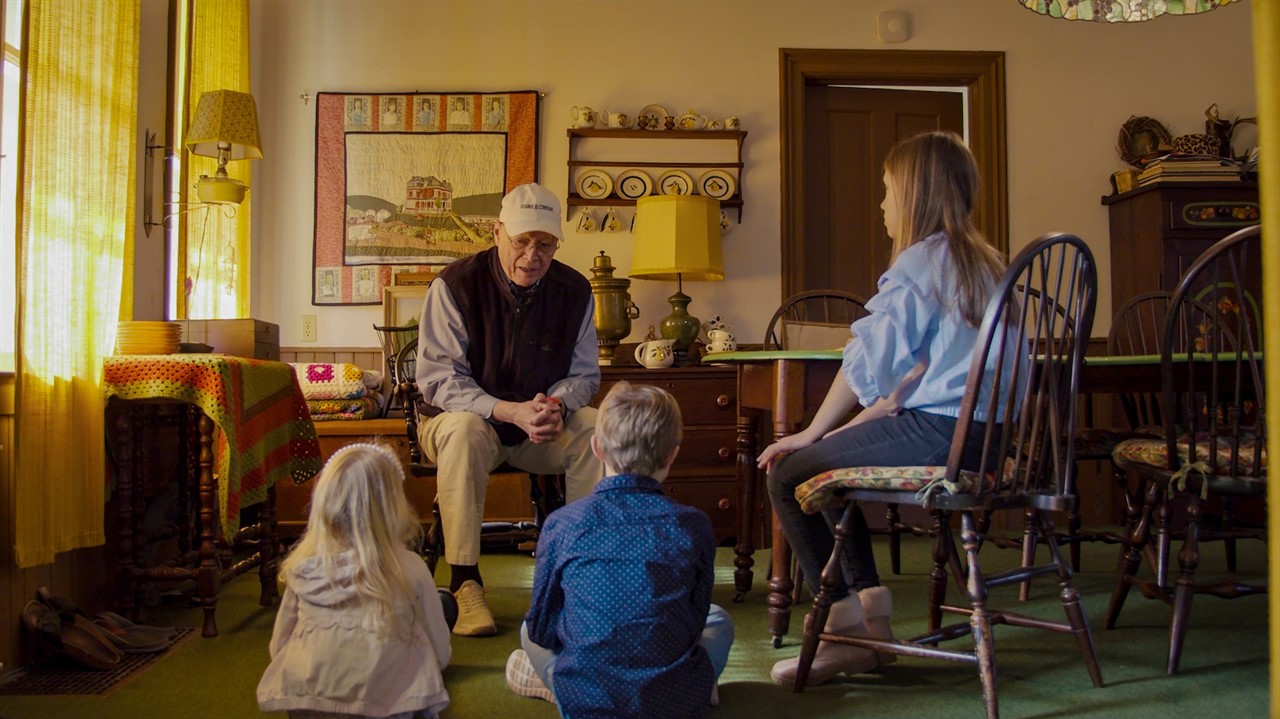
<point>531,208</point>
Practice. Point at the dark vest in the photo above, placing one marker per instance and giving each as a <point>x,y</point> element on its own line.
<point>517,348</point>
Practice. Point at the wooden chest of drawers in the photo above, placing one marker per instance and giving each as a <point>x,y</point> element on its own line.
<point>704,474</point>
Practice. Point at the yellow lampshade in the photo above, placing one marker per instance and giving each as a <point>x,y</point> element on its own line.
<point>227,118</point>
<point>677,236</point>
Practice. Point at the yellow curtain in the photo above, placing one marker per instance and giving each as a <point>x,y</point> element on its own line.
<point>75,249</point>
<point>217,246</point>
<point>1266,71</point>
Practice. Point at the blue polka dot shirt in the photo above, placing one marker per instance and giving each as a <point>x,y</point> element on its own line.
<point>621,590</point>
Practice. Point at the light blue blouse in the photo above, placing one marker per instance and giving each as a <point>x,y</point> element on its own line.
<point>914,316</point>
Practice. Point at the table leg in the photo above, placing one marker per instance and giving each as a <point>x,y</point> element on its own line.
<point>748,478</point>
<point>780,585</point>
<point>124,513</point>
<point>207,574</point>
<point>267,549</point>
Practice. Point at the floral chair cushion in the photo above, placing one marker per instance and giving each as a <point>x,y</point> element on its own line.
<point>1155,453</point>
<point>824,490</point>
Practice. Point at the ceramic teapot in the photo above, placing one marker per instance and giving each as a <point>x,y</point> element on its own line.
<point>582,116</point>
<point>655,354</point>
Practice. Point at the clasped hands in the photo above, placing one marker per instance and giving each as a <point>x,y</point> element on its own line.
<point>540,417</point>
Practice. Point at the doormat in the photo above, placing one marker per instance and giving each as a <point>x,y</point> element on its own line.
<point>60,675</point>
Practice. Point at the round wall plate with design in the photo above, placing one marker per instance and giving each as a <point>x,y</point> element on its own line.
<point>675,182</point>
<point>716,184</point>
<point>634,184</point>
<point>595,184</point>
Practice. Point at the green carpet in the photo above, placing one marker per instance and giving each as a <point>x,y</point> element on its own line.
<point>1224,668</point>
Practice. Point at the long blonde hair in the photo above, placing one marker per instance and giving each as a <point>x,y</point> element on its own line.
<point>359,504</point>
<point>936,181</point>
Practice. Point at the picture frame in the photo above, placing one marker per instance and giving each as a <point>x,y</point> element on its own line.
<point>402,304</point>
<point>408,279</point>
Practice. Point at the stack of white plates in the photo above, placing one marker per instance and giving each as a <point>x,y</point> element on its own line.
<point>148,338</point>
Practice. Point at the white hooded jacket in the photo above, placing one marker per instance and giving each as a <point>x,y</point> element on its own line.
<point>325,658</point>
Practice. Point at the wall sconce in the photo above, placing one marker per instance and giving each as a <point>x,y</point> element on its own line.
<point>225,126</point>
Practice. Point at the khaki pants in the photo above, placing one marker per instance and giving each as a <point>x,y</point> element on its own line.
<point>465,448</point>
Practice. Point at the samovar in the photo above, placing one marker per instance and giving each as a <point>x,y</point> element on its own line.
<point>614,308</point>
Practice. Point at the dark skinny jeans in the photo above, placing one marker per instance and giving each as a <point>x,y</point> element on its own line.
<point>913,438</point>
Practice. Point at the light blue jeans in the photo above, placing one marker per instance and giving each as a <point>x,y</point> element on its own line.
<point>717,638</point>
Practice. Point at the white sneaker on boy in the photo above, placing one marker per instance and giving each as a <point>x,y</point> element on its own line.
<point>523,680</point>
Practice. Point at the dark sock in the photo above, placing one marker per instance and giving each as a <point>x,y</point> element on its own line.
<point>460,573</point>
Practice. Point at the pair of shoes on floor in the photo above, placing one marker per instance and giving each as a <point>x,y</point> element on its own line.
<point>523,680</point>
<point>78,639</point>
<point>474,617</point>
<point>128,637</point>
<point>846,616</point>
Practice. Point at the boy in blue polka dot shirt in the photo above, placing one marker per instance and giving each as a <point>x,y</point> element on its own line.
<point>621,622</point>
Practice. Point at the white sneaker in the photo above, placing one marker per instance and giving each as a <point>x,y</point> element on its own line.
<point>474,617</point>
<point>523,680</point>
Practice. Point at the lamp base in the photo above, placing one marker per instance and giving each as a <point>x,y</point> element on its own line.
<point>221,190</point>
<point>681,327</point>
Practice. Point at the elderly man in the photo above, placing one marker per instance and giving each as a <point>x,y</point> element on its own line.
<point>507,361</point>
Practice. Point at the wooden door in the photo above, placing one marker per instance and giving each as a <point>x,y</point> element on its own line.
<point>848,132</point>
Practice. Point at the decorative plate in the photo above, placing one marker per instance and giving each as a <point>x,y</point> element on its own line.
<point>634,184</point>
<point>716,184</point>
<point>657,114</point>
<point>595,184</point>
<point>675,182</point>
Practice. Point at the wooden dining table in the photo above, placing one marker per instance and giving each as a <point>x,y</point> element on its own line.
<point>788,386</point>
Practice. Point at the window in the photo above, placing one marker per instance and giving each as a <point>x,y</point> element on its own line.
<point>9,97</point>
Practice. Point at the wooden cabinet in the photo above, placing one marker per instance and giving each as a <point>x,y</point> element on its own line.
<point>704,474</point>
<point>1157,231</point>
<point>617,151</point>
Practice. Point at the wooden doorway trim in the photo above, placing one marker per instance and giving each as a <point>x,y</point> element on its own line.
<point>981,72</point>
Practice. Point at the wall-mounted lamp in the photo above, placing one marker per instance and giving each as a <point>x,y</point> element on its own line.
<point>225,126</point>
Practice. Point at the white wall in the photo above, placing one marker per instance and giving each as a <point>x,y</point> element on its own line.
<point>1071,85</point>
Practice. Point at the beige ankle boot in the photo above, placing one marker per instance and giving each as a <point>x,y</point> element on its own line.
<point>846,617</point>
<point>877,607</point>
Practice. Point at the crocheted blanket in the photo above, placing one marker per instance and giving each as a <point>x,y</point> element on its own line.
<point>342,380</point>
<point>323,410</point>
<point>266,436</point>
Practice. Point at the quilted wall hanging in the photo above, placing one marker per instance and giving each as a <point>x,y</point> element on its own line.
<point>410,181</point>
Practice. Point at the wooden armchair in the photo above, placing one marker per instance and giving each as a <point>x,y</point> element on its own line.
<point>546,492</point>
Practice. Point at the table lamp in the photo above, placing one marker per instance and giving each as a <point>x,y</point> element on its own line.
<point>225,126</point>
<point>677,237</point>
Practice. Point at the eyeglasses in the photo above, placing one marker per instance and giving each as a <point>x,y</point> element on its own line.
<point>544,247</point>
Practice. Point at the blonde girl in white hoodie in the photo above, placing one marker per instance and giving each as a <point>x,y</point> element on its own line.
<point>361,631</point>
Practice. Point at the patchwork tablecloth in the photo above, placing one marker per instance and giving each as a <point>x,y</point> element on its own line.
<point>266,431</point>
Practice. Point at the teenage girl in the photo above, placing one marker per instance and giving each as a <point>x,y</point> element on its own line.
<point>361,631</point>
<point>922,328</point>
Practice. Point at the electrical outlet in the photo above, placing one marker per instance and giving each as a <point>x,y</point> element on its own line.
<point>308,328</point>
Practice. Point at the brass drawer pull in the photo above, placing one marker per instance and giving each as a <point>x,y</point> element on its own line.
<point>724,503</point>
<point>723,401</point>
<point>725,453</point>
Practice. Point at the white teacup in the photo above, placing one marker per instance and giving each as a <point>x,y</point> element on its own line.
<point>656,354</point>
<point>618,120</point>
<point>582,116</point>
<point>732,123</point>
